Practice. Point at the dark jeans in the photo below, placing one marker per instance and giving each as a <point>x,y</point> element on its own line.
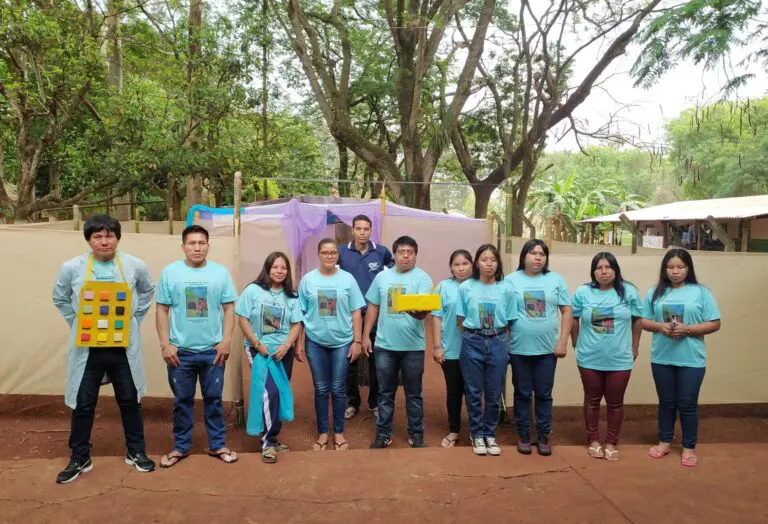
<point>329,372</point>
<point>183,380</point>
<point>454,385</point>
<point>113,362</point>
<point>483,365</point>
<point>678,390</point>
<point>353,391</point>
<point>389,365</point>
<point>611,385</point>
<point>271,408</point>
<point>533,376</point>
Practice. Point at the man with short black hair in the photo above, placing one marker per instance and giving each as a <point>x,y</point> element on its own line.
<point>364,259</point>
<point>88,365</point>
<point>195,320</point>
<point>399,344</point>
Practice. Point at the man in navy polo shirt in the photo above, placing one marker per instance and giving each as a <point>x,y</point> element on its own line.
<point>364,259</point>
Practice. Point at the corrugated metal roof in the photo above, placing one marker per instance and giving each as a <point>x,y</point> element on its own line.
<point>719,208</point>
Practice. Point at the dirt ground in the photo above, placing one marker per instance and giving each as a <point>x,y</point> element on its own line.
<point>429,485</point>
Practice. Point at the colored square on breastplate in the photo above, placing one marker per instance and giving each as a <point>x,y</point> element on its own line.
<point>119,311</point>
<point>103,323</point>
<point>103,310</point>
<point>102,337</point>
<point>118,324</point>
<point>88,295</point>
<point>104,296</point>
<point>120,295</point>
<point>87,310</point>
<point>117,337</point>
<point>86,323</point>
<point>85,337</point>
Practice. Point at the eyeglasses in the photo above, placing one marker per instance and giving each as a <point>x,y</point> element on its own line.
<point>328,254</point>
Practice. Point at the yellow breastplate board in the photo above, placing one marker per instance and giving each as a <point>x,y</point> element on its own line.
<point>104,316</point>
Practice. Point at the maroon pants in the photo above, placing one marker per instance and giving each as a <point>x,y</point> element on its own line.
<point>608,384</point>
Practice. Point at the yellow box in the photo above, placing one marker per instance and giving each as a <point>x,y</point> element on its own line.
<point>402,302</point>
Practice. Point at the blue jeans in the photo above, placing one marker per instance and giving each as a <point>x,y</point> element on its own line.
<point>329,368</point>
<point>533,375</point>
<point>483,366</point>
<point>183,380</point>
<point>678,390</point>
<point>389,365</point>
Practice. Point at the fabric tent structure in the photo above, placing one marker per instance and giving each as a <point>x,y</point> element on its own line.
<point>295,225</point>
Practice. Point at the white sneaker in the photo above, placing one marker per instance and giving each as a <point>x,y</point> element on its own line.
<point>478,446</point>
<point>492,447</point>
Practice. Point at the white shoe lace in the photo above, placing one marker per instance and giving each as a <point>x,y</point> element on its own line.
<point>491,442</point>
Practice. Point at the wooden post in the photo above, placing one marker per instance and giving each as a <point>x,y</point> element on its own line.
<point>170,220</point>
<point>489,219</point>
<point>196,217</point>
<point>238,198</point>
<point>698,235</point>
<point>613,234</point>
<point>548,234</point>
<point>722,234</point>
<point>665,232</point>
<point>383,212</point>
<point>746,228</point>
<point>76,217</point>
<point>632,228</point>
<point>137,219</point>
<point>592,230</point>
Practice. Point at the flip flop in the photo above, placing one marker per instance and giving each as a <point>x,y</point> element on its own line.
<point>341,446</point>
<point>449,442</point>
<point>690,462</point>
<point>657,453</point>
<point>321,446</point>
<point>225,455</point>
<point>612,455</point>
<point>596,452</point>
<point>168,461</point>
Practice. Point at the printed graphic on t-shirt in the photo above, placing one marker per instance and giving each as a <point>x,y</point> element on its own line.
<point>271,318</point>
<point>603,320</point>
<point>486,311</point>
<point>535,303</point>
<point>327,300</point>
<point>197,301</point>
<point>392,290</point>
<point>673,312</point>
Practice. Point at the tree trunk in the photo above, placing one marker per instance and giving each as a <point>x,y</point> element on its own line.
<point>343,169</point>
<point>483,194</point>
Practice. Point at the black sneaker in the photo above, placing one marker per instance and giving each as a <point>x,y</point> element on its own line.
<point>544,448</point>
<point>73,470</point>
<point>141,461</point>
<point>381,442</point>
<point>416,440</point>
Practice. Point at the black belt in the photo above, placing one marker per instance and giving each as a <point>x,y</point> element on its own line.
<point>487,332</point>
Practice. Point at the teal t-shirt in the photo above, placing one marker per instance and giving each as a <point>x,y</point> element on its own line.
<point>196,296</point>
<point>327,304</point>
<point>537,328</point>
<point>270,313</point>
<point>450,336</point>
<point>605,327</point>
<point>398,331</point>
<point>486,306</point>
<point>691,304</point>
<point>103,271</point>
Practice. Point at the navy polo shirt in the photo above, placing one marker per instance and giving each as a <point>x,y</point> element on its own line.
<point>364,267</point>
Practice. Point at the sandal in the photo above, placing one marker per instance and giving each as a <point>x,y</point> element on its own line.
<point>170,460</point>
<point>612,455</point>
<point>690,462</point>
<point>449,442</point>
<point>225,455</point>
<point>341,446</point>
<point>269,455</point>
<point>319,446</point>
<point>657,452</point>
<point>596,452</point>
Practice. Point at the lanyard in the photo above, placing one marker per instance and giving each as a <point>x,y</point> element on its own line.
<point>90,268</point>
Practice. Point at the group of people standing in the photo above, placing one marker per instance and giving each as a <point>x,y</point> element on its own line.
<point>344,309</point>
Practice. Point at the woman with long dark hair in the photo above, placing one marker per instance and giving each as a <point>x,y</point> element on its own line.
<point>486,307</point>
<point>606,332</point>
<point>270,318</point>
<point>330,302</point>
<point>539,338</point>
<point>447,338</point>
<point>679,312</point>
